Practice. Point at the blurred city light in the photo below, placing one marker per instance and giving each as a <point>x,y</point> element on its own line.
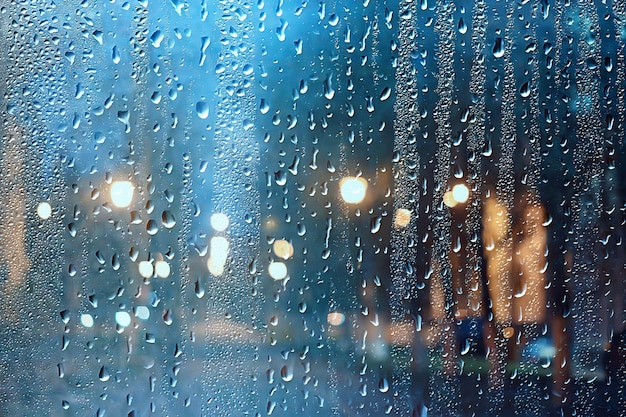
<point>403,218</point>
<point>353,189</point>
<point>335,318</point>
<point>44,210</point>
<point>283,249</point>
<point>448,199</point>
<point>122,193</point>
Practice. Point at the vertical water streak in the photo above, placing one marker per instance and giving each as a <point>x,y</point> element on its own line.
<point>31,249</point>
<point>619,294</point>
<point>529,257</point>
<point>586,208</point>
<point>444,390</point>
<point>406,174</point>
<point>235,168</point>
<point>498,216</point>
<point>475,143</point>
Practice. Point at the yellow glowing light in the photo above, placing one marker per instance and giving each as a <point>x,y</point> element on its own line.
<point>219,222</point>
<point>277,270</point>
<point>508,332</point>
<point>283,249</point>
<point>448,199</point>
<point>145,269</point>
<point>219,253</point>
<point>122,193</point>
<point>335,318</point>
<point>403,218</point>
<point>162,269</point>
<point>44,210</point>
<point>460,193</point>
<point>353,189</point>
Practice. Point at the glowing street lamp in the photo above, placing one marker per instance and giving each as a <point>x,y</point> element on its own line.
<point>122,193</point>
<point>353,189</point>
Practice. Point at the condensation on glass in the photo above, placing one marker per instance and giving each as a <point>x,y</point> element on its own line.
<point>252,208</point>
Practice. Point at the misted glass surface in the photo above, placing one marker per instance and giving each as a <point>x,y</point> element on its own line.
<point>285,208</point>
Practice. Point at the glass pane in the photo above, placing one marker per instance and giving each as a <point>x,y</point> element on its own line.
<point>227,208</point>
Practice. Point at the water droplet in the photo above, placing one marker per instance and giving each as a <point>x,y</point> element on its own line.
<point>498,48</point>
<point>152,227</point>
<point>104,374</point>
<point>383,385</point>
<point>385,94</point>
<point>329,91</point>
<point>286,373</point>
<point>156,38</point>
<point>462,26</point>
<point>525,90</point>
<point>375,224</point>
<point>168,219</point>
<point>280,31</point>
<point>115,55</point>
<point>466,347</point>
<point>202,109</point>
<point>198,289</point>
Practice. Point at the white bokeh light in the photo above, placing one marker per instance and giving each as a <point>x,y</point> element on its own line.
<point>122,318</point>
<point>277,270</point>
<point>142,312</point>
<point>44,210</point>
<point>122,193</point>
<point>219,222</point>
<point>219,247</point>
<point>86,320</point>
<point>460,193</point>
<point>162,269</point>
<point>145,269</point>
<point>353,189</point>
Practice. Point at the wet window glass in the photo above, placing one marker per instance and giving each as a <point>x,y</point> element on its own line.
<point>313,208</point>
